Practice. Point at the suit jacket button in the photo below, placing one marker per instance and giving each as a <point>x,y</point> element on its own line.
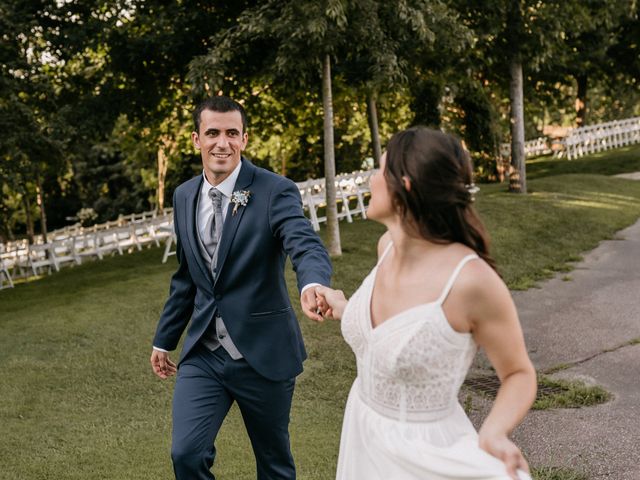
<point>218,296</point>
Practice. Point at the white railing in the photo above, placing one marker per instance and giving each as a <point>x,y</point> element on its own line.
<point>600,137</point>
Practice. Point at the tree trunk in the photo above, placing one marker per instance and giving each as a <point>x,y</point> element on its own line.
<point>6,235</point>
<point>283,161</point>
<point>518,173</point>
<point>162,173</point>
<point>581,101</point>
<point>372,115</point>
<point>333,229</point>
<point>43,213</point>
<point>28,218</point>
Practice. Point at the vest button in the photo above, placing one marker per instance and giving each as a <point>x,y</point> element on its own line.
<point>218,296</point>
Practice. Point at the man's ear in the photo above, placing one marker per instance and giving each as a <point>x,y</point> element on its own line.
<point>195,139</point>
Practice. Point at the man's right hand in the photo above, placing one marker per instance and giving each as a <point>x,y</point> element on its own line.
<point>330,302</point>
<point>162,365</point>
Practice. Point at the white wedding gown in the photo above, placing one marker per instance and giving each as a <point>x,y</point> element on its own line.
<point>403,420</point>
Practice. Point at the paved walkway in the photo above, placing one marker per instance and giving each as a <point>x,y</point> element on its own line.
<point>630,176</point>
<point>585,322</point>
<point>567,322</point>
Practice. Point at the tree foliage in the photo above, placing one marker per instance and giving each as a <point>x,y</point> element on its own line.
<point>95,95</point>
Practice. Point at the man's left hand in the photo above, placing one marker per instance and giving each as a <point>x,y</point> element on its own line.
<point>310,305</point>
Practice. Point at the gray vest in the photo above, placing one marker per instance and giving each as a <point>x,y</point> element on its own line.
<point>216,334</point>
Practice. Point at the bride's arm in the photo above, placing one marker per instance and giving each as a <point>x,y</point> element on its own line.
<point>496,328</point>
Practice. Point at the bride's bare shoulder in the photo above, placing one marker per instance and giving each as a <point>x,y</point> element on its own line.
<point>480,283</point>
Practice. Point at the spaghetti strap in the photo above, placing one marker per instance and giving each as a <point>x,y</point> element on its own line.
<point>384,254</point>
<point>452,278</point>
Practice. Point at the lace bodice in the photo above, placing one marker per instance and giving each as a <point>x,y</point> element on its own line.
<point>412,365</point>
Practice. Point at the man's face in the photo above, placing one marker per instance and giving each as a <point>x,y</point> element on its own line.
<point>221,142</point>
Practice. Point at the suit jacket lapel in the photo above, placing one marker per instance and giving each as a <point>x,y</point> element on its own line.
<point>191,200</point>
<point>231,222</point>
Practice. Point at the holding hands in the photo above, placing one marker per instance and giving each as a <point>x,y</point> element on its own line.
<point>330,302</point>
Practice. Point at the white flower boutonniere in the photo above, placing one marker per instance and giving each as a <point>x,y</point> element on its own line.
<point>239,198</point>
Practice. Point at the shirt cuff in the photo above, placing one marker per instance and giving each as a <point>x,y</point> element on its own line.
<point>308,286</point>
<point>160,349</point>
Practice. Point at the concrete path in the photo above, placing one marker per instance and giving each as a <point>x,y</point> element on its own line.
<point>587,322</point>
<point>590,317</point>
<point>630,176</point>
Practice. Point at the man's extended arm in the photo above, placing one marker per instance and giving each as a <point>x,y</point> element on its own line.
<point>308,256</point>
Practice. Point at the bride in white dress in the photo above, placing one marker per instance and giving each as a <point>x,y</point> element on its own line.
<point>415,324</point>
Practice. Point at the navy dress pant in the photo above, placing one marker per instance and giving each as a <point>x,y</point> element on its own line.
<point>207,385</point>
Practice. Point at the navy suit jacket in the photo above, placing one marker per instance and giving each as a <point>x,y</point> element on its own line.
<point>249,289</point>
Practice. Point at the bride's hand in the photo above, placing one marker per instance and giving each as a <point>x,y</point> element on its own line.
<point>501,447</point>
<point>330,302</point>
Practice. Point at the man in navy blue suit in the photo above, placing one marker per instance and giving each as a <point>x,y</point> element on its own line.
<point>235,225</point>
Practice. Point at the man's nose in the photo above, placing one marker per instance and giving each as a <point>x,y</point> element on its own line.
<point>223,141</point>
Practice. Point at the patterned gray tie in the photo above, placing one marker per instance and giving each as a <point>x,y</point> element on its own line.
<point>216,224</point>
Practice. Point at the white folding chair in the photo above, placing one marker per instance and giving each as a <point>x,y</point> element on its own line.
<point>169,242</point>
<point>64,253</point>
<point>5,276</point>
<point>85,246</point>
<point>127,239</point>
<point>107,243</point>
<point>40,257</point>
<point>314,198</point>
<point>155,230</point>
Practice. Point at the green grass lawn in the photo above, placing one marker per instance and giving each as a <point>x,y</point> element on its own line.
<point>79,401</point>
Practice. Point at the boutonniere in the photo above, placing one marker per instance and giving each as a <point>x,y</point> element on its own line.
<point>239,198</point>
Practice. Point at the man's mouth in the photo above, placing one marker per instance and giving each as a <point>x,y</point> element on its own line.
<point>221,155</point>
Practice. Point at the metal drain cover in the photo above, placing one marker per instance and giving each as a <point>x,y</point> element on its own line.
<point>490,384</point>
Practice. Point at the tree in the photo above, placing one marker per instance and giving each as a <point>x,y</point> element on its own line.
<point>29,114</point>
<point>589,50</point>
<point>528,35</point>
<point>389,42</point>
<point>297,41</point>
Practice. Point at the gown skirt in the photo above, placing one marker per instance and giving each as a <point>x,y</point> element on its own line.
<point>376,447</point>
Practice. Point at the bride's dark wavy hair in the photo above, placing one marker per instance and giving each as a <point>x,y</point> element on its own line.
<point>439,202</point>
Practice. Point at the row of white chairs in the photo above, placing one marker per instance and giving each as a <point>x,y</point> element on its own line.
<point>352,195</point>
<point>532,148</point>
<point>71,244</point>
<point>583,140</point>
<point>77,229</point>
<point>40,258</point>
<point>600,137</point>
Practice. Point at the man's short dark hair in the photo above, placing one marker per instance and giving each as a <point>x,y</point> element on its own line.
<point>222,104</point>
